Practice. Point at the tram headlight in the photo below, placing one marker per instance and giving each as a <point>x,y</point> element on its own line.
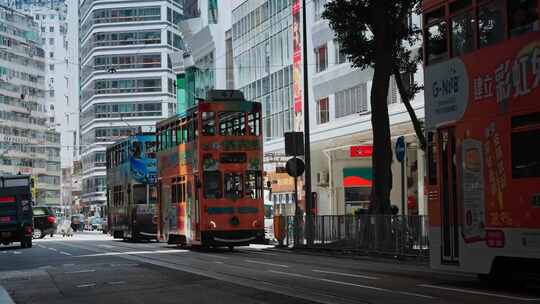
<point>212,225</point>
<point>256,224</point>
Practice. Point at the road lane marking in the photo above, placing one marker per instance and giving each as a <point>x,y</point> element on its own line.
<point>131,253</point>
<point>67,265</point>
<point>218,262</point>
<point>117,283</point>
<point>17,252</point>
<point>258,252</point>
<point>482,293</point>
<point>80,271</point>
<point>86,285</point>
<point>265,263</point>
<point>53,249</point>
<point>106,246</point>
<point>213,256</point>
<point>346,274</point>
<point>41,246</point>
<point>65,253</point>
<point>354,285</point>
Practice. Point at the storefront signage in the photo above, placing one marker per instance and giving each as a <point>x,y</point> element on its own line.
<point>361,151</point>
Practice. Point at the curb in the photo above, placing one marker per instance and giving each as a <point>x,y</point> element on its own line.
<point>4,296</point>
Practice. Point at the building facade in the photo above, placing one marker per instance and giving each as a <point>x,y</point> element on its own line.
<point>126,77</point>
<point>340,116</point>
<point>28,143</point>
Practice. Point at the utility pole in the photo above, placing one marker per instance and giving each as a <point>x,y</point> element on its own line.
<point>307,147</point>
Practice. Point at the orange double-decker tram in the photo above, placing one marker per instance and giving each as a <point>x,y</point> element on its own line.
<point>482,96</point>
<point>210,173</point>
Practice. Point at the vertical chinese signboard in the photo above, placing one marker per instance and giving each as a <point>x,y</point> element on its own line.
<point>297,68</point>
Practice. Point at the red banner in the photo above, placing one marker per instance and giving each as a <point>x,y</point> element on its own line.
<point>361,151</point>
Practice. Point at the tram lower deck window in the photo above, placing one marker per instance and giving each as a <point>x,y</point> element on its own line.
<point>522,17</point>
<point>233,185</point>
<point>526,154</point>
<point>212,184</point>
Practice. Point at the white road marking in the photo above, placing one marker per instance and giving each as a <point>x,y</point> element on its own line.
<point>131,253</point>
<point>86,285</point>
<point>65,253</point>
<point>67,265</point>
<point>17,252</point>
<point>117,283</point>
<point>269,264</point>
<point>80,271</point>
<point>213,256</point>
<point>106,246</point>
<point>354,285</point>
<point>260,252</point>
<point>346,274</point>
<point>41,246</point>
<point>53,249</point>
<point>482,293</point>
<point>218,262</point>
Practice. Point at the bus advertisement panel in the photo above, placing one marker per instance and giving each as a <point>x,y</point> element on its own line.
<point>482,86</point>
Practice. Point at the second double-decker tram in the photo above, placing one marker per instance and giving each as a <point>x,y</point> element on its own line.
<point>210,173</point>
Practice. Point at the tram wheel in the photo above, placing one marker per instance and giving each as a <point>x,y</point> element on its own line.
<point>231,248</point>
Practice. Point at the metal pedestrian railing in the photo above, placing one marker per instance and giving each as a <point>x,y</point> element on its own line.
<point>396,235</point>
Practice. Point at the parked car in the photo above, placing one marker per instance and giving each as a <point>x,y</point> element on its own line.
<point>44,222</point>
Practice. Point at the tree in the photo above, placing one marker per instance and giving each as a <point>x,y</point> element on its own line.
<point>376,34</point>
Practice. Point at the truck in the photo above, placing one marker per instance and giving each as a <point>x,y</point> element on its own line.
<point>16,221</point>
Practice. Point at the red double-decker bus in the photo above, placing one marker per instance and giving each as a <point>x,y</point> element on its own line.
<point>210,173</point>
<point>482,81</point>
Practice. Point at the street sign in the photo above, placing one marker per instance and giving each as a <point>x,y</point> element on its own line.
<point>400,149</point>
<point>294,143</point>
<point>295,167</point>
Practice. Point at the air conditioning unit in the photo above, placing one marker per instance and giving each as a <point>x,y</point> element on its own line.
<point>322,178</point>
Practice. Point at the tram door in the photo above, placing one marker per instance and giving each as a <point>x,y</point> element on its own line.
<point>448,196</point>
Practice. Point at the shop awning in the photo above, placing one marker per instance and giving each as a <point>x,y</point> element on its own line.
<point>357,177</point>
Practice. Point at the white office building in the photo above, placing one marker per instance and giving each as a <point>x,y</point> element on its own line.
<point>340,117</point>
<point>126,78</point>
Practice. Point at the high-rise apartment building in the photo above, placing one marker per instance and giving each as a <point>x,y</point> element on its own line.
<point>126,77</point>
<point>28,144</point>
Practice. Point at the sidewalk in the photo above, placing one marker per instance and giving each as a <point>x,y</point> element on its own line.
<point>4,296</point>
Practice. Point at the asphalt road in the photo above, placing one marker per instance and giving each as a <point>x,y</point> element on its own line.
<point>93,268</point>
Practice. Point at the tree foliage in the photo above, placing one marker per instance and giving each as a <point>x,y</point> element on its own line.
<point>377,35</point>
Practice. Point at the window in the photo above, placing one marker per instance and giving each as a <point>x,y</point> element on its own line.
<point>436,48</point>
<point>462,33</point>
<point>139,194</point>
<point>209,123</point>
<point>491,23</point>
<point>254,122</point>
<point>212,184</point>
<point>321,58</point>
<point>253,184</point>
<point>431,159</point>
<point>351,101</point>
<point>323,113</point>
<point>51,41</point>
<point>232,123</point>
<point>51,93</point>
<point>51,67</point>
<point>43,29</point>
<point>233,185</point>
<point>51,54</point>
<point>341,57</point>
<point>51,29</point>
<point>526,161</point>
<point>522,17</point>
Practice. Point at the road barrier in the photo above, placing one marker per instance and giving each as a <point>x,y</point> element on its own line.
<point>396,235</point>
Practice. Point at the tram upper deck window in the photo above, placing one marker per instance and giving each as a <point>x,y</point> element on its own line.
<point>491,24</point>
<point>254,123</point>
<point>150,149</point>
<point>522,17</point>
<point>253,184</point>
<point>526,161</point>
<point>232,123</point>
<point>462,25</point>
<point>208,123</point>
<point>436,37</point>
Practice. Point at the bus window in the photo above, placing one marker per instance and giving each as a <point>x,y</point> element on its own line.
<point>436,47</point>
<point>522,17</point>
<point>139,194</point>
<point>153,194</point>
<point>253,184</point>
<point>254,123</point>
<point>212,184</point>
<point>233,185</point>
<point>491,23</point>
<point>208,123</point>
<point>137,151</point>
<point>462,31</point>
<point>149,149</point>
<point>232,123</point>
<point>526,161</point>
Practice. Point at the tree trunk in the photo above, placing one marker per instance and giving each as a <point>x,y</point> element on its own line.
<point>407,102</point>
